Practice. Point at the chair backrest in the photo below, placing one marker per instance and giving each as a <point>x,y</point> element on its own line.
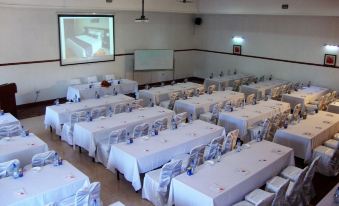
<point>215,112</point>
<point>310,173</point>
<point>140,130</point>
<point>275,92</point>
<point>98,112</point>
<point>245,80</point>
<point>266,128</point>
<point>161,124</point>
<point>168,171</point>
<point>174,96</point>
<point>119,108</point>
<point>236,85</point>
<point>109,77</point>
<point>296,110</point>
<point>284,89</point>
<point>42,159</point>
<point>328,98</point>
<point>117,136</point>
<point>88,195</point>
<point>92,79</point>
<point>10,130</point>
<point>74,81</point>
<point>322,103</point>
<point>213,147</point>
<point>200,90</point>
<point>6,168</point>
<point>279,198</point>
<point>138,103</point>
<point>230,141</point>
<point>196,156</point>
<point>250,99</point>
<point>180,118</point>
<point>211,88</point>
<point>79,116</point>
<point>298,184</point>
<point>333,96</point>
<point>189,92</point>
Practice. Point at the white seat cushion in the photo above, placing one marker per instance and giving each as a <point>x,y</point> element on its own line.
<point>243,203</point>
<point>332,143</point>
<point>275,183</point>
<point>260,197</point>
<point>291,172</point>
<point>206,117</point>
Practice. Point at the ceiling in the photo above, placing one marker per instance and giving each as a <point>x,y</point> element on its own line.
<point>260,7</point>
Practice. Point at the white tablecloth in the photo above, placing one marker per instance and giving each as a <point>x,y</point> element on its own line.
<point>328,200</point>
<point>304,96</point>
<point>204,103</point>
<point>50,184</point>
<point>145,155</point>
<point>83,91</point>
<point>21,148</point>
<point>303,137</point>
<point>261,88</point>
<point>159,94</point>
<point>8,119</point>
<point>334,107</point>
<point>244,118</point>
<point>228,181</point>
<point>60,114</point>
<point>87,134</point>
<point>225,81</point>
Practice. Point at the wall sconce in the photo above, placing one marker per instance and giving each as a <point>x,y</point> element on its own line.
<point>332,48</point>
<point>237,40</point>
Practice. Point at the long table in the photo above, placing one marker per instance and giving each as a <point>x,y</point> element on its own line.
<point>50,184</point>
<point>303,137</point>
<point>8,119</point>
<point>159,94</point>
<point>204,103</point>
<point>21,148</point>
<point>88,134</point>
<point>225,81</point>
<point>304,95</point>
<point>261,89</point>
<point>228,181</point>
<point>57,115</point>
<point>145,155</point>
<point>328,200</point>
<point>123,86</point>
<point>333,107</point>
<point>243,118</point>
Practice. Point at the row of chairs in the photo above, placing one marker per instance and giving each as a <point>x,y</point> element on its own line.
<point>10,130</point>
<point>157,182</point>
<point>293,186</point>
<point>92,79</point>
<point>322,103</point>
<point>277,92</point>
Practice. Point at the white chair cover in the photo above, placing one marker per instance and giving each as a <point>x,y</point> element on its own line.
<point>308,188</point>
<point>136,104</point>
<point>296,111</point>
<point>328,164</point>
<point>250,99</point>
<point>278,186</point>
<point>10,130</point>
<point>180,118</point>
<point>92,79</point>
<point>189,92</point>
<point>212,149</point>
<point>161,124</point>
<point>260,197</point>
<point>75,81</point>
<point>109,77</point>
<point>119,108</point>
<point>140,130</point>
<point>67,128</point>
<point>200,91</point>
<point>266,129</point>
<point>211,89</point>
<point>98,112</point>
<point>173,97</point>
<point>295,189</point>
<point>85,196</point>
<point>230,141</point>
<point>332,143</point>
<point>6,168</point>
<point>336,136</point>
<point>236,85</point>
<point>42,159</point>
<point>196,156</point>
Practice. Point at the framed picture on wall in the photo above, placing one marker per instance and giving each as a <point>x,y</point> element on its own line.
<point>237,49</point>
<point>330,60</point>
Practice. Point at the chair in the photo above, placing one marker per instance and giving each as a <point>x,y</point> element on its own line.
<point>333,96</point>
<point>169,104</point>
<point>336,136</point>
<point>140,130</point>
<point>245,81</point>
<point>316,105</point>
<point>92,79</point>
<point>6,168</point>
<point>236,85</point>
<point>109,77</point>
<point>104,148</point>
<point>211,89</point>
<point>275,93</point>
<point>157,182</point>
<point>213,147</point>
<point>308,188</point>
<point>42,159</point>
<point>161,124</point>
<point>196,156</point>
<point>87,195</point>
<point>180,118</point>
<point>98,112</point>
<point>332,143</point>
<point>328,164</point>
<point>278,186</point>
<point>260,197</point>
<point>10,130</point>
<point>296,111</point>
<point>189,92</point>
<point>200,91</point>
<point>67,128</point>
<point>119,108</point>
<point>74,82</point>
<point>139,103</point>
<point>250,99</point>
<point>230,141</point>
<point>262,130</point>
<point>213,115</point>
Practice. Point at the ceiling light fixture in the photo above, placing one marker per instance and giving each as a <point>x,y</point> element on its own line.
<point>142,18</point>
<point>238,40</point>
<point>331,47</point>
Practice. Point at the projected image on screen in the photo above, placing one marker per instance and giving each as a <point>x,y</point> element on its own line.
<point>85,39</point>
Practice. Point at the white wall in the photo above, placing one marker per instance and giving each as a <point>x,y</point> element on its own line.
<point>32,34</point>
<point>296,38</point>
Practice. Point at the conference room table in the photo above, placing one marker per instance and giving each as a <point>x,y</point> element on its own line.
<point>328,200</point>
<point>88,91</point>
<point>228,181</point>
<point>261,89</point>
<point>21,148</point>
<point>40,186</point>
<point>204,103</point>
<point>306,135</point>
<point>88,134</point>
<point>149,153</point>
<point>304,96</point>
<point>8,119</point>
<point>333,107</point>
<point>243,118</point>
<point>224,81</point>
<point>57,115</point>
<point>159,94</point>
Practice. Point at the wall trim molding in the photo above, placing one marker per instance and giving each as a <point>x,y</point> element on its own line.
<point>267,58</point>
